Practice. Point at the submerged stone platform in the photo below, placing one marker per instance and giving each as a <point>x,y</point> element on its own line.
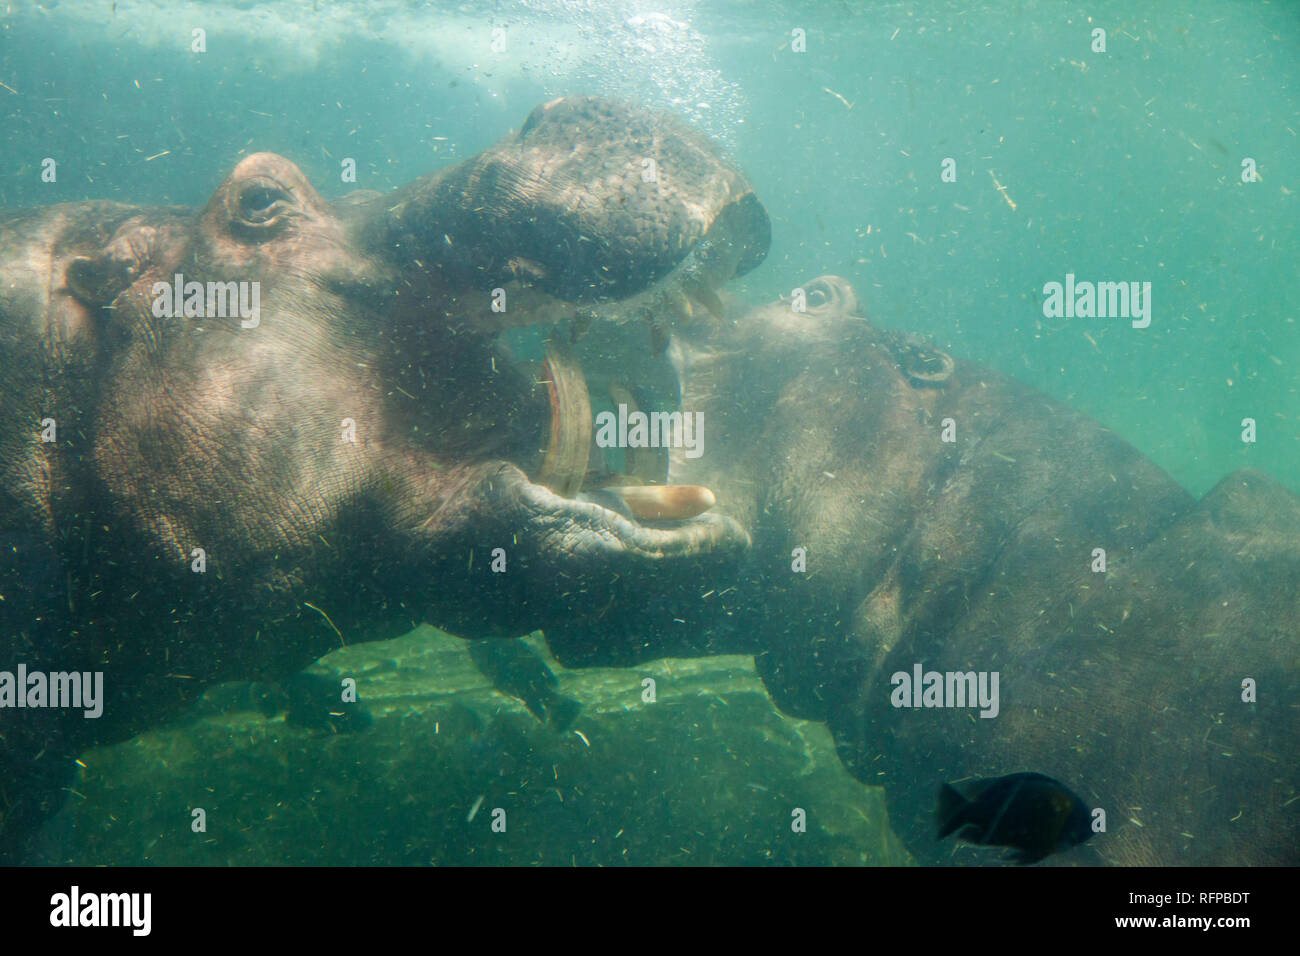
<point>450,770</point>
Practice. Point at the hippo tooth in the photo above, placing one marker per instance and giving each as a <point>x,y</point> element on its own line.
<point>678,304</point>
<point>569,447</point>
<point>644,465</point>
<point>700,291</point>
<point>666,502</point>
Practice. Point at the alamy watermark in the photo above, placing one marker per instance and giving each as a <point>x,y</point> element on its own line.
<point>65,689</point>
<point>638,429</point>
<point>1099,300</point>
<point>77,909</point>
<point>946,689</point>
<point>216,300</point>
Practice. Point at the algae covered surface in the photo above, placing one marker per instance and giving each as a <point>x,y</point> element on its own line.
<point>451,771</point>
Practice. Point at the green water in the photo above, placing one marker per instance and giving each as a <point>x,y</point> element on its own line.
<point>1123,165</point>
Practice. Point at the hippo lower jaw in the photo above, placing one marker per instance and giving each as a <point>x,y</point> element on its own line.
<point>589,531</point>
<point>515,557</point>
<point>555,508</point>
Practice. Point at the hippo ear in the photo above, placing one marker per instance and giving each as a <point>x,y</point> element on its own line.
<point>97,280</point>
<point>592,200</point>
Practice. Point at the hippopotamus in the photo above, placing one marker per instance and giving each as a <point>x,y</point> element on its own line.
<point>234,438</point>
<point>200,496</point>
<point>912,513</point>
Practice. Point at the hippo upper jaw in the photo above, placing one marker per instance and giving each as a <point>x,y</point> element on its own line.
<point>590,209</point>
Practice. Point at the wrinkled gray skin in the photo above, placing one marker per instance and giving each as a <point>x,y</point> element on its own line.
<point>177,434</point>
<point>822,433</point>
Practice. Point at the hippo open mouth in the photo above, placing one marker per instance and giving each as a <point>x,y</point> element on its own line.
<point>590,217</point>
<point>574,536</point>
<point>565,465</point>
<point>591,507</point>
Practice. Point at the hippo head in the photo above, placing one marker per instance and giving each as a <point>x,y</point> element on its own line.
<point>309,400</point>
<point>923,522</point>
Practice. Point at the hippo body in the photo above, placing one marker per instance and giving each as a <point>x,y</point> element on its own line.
<point>193,492</point>
<point>977,555</point>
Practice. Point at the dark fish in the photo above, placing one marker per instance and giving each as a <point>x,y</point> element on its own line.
<point>1029,812</point>
<point>515,668</point>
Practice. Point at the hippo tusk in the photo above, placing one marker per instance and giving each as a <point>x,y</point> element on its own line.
<point>665,502</point>
<point>565,464</point>
<point>698,290</point>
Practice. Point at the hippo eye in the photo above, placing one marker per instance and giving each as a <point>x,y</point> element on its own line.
<point>259,204</point>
